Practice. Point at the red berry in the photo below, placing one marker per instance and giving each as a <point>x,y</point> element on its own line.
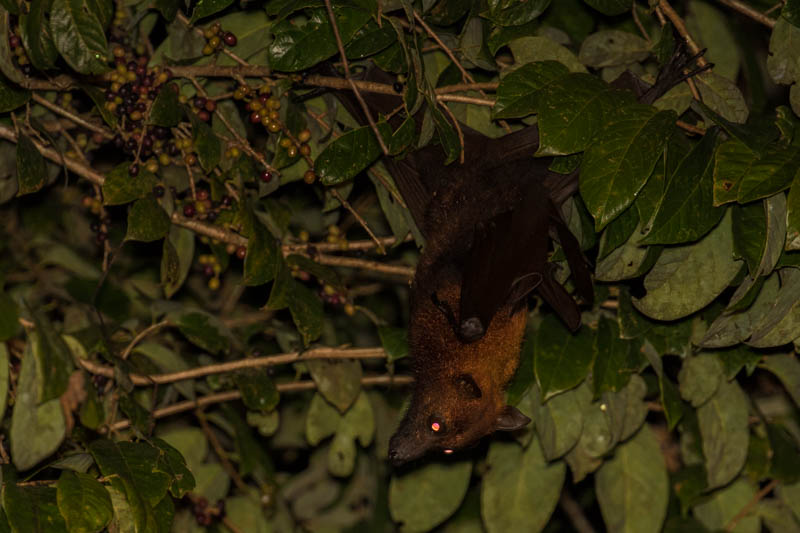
<point>255,117</point>
<point>266,176</point>
<point>133,170</point>
<point>188,210</point>
<point>241,252</point>
<point>229,38</point>
<point>14,41</point>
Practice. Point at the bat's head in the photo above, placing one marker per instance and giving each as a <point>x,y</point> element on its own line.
<point>449,414</point>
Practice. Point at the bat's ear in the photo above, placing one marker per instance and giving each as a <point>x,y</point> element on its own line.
<point>511,419</point>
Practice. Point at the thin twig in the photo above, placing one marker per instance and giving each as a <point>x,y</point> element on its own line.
<point>72,116</point>
<point>748,11</point>
<point>353,86</point>
<point>359,218</point>
<point>231,366</point>
<point>465,99</point>
<point>222,455</point>
<point>142,334</point>
<point>642,30</point>
<point>677,21</point>
<point>228,396</point>
<point>464,74</point>
<point>691,128</point>
<point>364,264</point>
<point>731,525</point>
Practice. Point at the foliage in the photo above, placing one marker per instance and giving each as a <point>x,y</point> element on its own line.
<point>189,326</point>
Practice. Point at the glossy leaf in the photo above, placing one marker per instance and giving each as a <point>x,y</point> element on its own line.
<point>519,92</point>
<point>572,110</point>
<point>562,360</point>
<point>615,359</point>
<point>782,62</point>
<point>53,358</point>
<point>559,420</point>
<point>297,47</point>
<point>258,390</point>
<point>723,426</point>
<point>348,155</point>
<point>516,477</point>
<point>79,36</point>
<point>424,497</point>
<point>262,261</point>
<point>504,13</point>
<point>687,278</point>
<point>205,143</point>
<point>206,8</point>
<point>177,255</point>
<point>670,401</point>
<point>616,168</point>
<point>632,487</point>
<point>722,95</point>
<point>610,7</point>
<point>37,35</point>
<point>394,342</point>
<point>700,377</point>
<point>770,174</point>
<point>685,214</point>
<point>166,110</point>
<point>202,330</point>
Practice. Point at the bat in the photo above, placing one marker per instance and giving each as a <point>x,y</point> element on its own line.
<point>487,224</point>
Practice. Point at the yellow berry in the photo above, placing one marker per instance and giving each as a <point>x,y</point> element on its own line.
<point>304,236</point>
<point>213,283</point>
<point>349,309</point>
<point>304,136</point>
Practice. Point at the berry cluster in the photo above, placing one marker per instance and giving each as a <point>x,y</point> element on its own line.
<point>216,38</point>
<point>211,269</point>
<point>20,57</point>
<point>102,221</point>
<point>205,515</point>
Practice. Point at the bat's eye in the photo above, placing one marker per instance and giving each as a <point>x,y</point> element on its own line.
<point>447,451</point>
<point>437,425</point>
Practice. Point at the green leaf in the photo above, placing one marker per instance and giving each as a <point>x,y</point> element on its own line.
<point>9,316</point>
<point>529,49</point>
<point>83,502</point>
<point>723,96</point>
<point>770,174</point>
<point>616,168</point>
<point>348,155</point>
<point>203,330</point>
<point>338,380</point>
<point>447,135</point>
<point>615,358</point>
<point>595,441</point>
<point>176,259</point>
<point>167,8</point>
<point>53,358</point>
<point>258,390</point>
<point>519,92</point>
<point>32,509</point>
<point>608,48</point>
<point>166,110</point>
<point>99,99</point>
<point>120,187</point>
<point>206,143</point>
<point>685,213</point>
<point>610,7</point>
<point>617,233</point>
<point>37,429</point>
<point>514,13</point>
<point>733,161</point>
<point>12,97</point>
<point>31,168</point>
<point>787,369</point>
<point>783,64</point>
<point>516,477</point>
<point>171,462</point>
<point>793,215</point>
<point>687,278</point>
<point>733,327</point>
<point>322,420</point>
<point>147,221</point>
<point>700,377</point>
<point>749,234</point>
<point>780,324</point>
<point>559,420</point>
<point>168,361</point>
<point>307,313</point>
<point>7,66</point>
<point>424,497</point>
<point>37,35</point>
<point>263,257</point>
<point>297,47</point>
<point>394,341</point>
<point>626,408</point>
<point>79,36</point>
<point>369,40</point>
<point>724,504</point>
<point>562,359</point>
<point>206,8</point>
<point>134,464</point>
<point>632,487</point>
<point>572,111</point>
<point>670,401</point>
<point>723,427</point>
